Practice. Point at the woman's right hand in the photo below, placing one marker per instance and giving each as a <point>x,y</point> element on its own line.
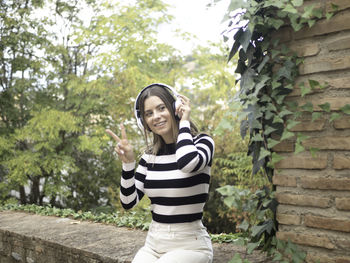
<point>123,148</point>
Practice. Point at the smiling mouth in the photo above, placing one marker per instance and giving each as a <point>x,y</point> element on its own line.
<point>159,124</point>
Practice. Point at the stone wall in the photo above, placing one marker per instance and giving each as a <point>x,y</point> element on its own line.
<point>28,238</point>
<point>314,191</point>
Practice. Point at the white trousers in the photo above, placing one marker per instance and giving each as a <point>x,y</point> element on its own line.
<point>176,243</point>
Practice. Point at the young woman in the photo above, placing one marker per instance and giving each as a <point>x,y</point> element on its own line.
<point>174,172</point>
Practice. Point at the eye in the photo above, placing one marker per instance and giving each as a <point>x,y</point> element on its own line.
<point>148,114</point>
<point>162,108</point>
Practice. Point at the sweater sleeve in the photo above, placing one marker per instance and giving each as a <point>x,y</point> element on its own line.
<point>193,154</point>
<point>132,183</point>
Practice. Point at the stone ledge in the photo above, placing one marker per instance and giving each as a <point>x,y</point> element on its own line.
<point>34,239</point>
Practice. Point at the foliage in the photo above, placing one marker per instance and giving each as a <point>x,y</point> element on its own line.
<point>225,238</point>
<point>65,80</point>
<point>134,219</point>
<point>283,252</point>
<point>258,224</point>
<point>257,210</point>
<point>267,70</point>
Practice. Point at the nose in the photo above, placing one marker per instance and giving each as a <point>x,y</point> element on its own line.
<point>156,114</point>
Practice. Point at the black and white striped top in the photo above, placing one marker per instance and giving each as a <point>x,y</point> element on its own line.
<point>176,179</point>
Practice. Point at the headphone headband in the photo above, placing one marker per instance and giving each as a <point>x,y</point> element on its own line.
<point>137,112</point>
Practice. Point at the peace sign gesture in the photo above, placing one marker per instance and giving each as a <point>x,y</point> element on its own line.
<point>123,148</point>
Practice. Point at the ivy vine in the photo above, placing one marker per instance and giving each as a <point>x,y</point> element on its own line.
<point>268,70</point>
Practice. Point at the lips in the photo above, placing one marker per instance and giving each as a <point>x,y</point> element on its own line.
<point>159,124</point>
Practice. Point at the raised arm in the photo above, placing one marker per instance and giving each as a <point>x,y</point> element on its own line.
<point>132,183</point>
<point>193,154</point>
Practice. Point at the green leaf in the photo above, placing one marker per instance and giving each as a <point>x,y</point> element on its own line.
<point>275,84</point>
<point>276,23</point>
<point>293,105</point>
<point>329,15</point>
<point>316,116</point>
<point>275,158</point>
<point>271,143</point>
<point>284,112</point>
<point>230,201</point>
<point>290,9</point>
<point>278,4</point>
<point>269,130</point>
<point>291,124</point>
<point>226,190</point>
<point>236,259</point>
<point>257,138</point>
<point>256,124</point>
<point>297,2</point>
<point>234,50</point>
<point>265,98</point>
<point>286,135</point>
<point>325,107</point>
<point>334,116</point>
<point>252,246</point>
<point>244,225</point>
<point>313,83</point>
<point>304,90</point>
<point>301,137</point>
<point>278,256</point>
<point>317,12</point>
<point>308,11</point>
<point>245,39</point>
<point>346,109</point>
<point>311,22</point>
<point>298,147</point>
<point>313,151</point>
<point>263,63</point>
<point>280,99</point>
<point>308,107</point>
<point>285,72</point>
<point>335,7</point>
<point>296,26</point>
<point>277,119</point>
<point>239,242</point>
<point>263,153</point>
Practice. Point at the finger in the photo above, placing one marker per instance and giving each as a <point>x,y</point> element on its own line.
<point>115,137</point>
<point>119,151</point>
<point>184,98</point>
<point>122,128</point>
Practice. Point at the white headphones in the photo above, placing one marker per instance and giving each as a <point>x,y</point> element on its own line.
<point>137,112</point>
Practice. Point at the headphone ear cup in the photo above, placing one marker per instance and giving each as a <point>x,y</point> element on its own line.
<point>176,104</point>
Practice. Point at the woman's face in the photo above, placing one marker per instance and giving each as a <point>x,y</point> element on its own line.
<point>158,118</point>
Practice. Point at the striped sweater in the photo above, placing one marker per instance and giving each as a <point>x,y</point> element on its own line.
<point>176,180</point>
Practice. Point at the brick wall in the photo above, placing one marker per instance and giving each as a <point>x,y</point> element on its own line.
<point>314,192</point>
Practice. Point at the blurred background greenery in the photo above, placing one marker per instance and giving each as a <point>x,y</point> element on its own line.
<point>67,75</point>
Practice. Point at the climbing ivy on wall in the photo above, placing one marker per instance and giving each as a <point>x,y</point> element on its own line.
<point>268,70</point>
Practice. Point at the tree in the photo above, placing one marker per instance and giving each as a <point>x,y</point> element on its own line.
<point>63,84</point>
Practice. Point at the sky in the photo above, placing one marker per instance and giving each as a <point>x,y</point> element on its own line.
<point>195,17</point>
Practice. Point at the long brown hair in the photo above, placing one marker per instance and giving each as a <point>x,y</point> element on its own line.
<point>168,99</point>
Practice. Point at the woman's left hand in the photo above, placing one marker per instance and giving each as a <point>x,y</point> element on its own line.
<point>184,108</point>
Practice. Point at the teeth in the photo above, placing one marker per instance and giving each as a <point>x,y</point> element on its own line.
<point>159,124</point>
